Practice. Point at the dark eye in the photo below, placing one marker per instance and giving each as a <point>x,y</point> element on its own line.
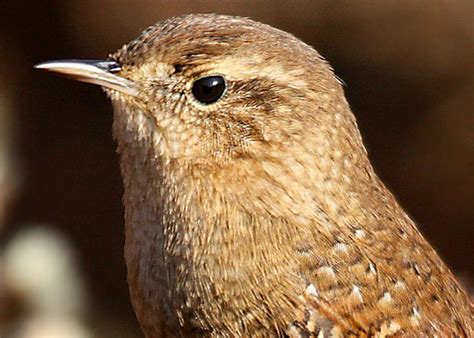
<point>209,89</point>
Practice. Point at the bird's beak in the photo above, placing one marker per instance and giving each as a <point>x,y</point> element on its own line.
<point>99,72</point>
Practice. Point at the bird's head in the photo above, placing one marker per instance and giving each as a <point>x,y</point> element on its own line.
<point>209,88</point>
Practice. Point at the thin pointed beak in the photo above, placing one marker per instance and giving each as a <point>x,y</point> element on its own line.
<point>99,72</point>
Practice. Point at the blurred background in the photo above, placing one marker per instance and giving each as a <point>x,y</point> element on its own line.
<point>409,73</point>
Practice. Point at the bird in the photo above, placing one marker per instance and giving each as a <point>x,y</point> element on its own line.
<point>251,206</point>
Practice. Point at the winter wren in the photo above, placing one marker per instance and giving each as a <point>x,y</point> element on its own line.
<point>251,207</point>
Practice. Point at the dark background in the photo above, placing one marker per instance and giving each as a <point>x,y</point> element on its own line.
<point>409,73</point>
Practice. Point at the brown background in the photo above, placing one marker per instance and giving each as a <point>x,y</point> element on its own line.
<point>409,71</point>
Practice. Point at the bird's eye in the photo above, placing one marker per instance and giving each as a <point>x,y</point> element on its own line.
<point>209,89</point>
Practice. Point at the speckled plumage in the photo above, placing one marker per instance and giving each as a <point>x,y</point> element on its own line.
<point>260,215</point>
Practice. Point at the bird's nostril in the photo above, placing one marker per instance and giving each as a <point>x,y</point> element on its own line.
<point>109,66</point>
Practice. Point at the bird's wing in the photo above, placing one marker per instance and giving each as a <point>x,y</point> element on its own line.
<point>365,289</point>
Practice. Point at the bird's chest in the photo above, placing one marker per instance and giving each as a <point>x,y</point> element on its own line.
<point>154,282</point>
<point>182,292</point>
